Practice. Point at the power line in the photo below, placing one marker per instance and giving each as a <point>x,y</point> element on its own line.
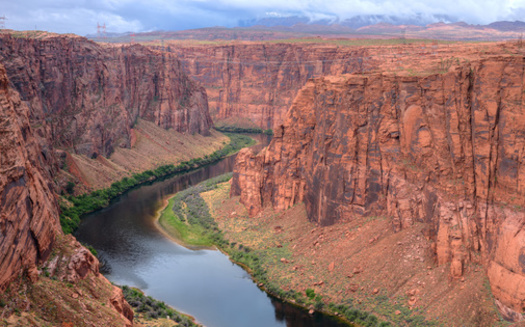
<point>2,22</point>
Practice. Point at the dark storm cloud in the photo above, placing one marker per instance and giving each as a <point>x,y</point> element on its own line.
<point>82,16</point>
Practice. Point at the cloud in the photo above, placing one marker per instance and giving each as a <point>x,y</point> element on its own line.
<point>65,17</point>
<point>81,16</point>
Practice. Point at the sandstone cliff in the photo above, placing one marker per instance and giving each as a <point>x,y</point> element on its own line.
<point>442,149</point>
<point>29,222</point>
<point>259,81</point>
<point>29,228</point>
<point>85,98</point>
<point>29,215</point>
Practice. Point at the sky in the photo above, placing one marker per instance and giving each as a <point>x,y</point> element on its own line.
<point>81,16</point>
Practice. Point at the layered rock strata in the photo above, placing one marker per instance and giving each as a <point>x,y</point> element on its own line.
<point>444,150</point>
<point>85,98</point>
<point>29,223</point>
<point>259,81</point>
<point>28,215</point>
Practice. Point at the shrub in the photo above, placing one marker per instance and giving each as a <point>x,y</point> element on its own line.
<point>152,308</point>
<point>70,187</point>
<point>310,293</point>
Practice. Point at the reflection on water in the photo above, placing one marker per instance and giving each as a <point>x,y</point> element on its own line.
<point>202,283</point>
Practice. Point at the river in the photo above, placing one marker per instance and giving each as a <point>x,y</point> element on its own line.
<point>202,283</point>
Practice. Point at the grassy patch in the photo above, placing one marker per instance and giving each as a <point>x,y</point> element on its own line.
<point>75,207</point>
<point>236,129</point>
<point>187,216</point>
<point>150,308</point>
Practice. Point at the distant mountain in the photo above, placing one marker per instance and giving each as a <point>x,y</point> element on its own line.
<point>109,34</point>
<point>354,22</point>
<point>364,26</point>
<point>274,21</point>
<point>505,26</point>
<point>418,20</point>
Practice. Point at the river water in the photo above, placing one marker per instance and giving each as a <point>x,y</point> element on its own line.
<point>201,283</point>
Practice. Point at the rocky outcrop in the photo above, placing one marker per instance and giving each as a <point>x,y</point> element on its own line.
<point>85,98</point>
<point>121,305</point>
<point>75,265</point>
<point>442,149</point>
<point>29,223</point>
<point>28,215</point>
<point>259,81</point>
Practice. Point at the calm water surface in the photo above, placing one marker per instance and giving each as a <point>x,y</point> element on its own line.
<point>202,283</point>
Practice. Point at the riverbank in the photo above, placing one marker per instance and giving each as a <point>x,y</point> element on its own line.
<point>72,208</point>
<point>234,129</point>
<point>188,220</point>
<point>239,125</point>
<point>185,218</point>
<point>344,269</point>
<point>152,313</point>
<point>150,147</point>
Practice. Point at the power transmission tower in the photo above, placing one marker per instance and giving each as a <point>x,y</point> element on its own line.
<point>101,31</point>
<point>132,38</point>
<point>2,22</point>
<point>162,44</point>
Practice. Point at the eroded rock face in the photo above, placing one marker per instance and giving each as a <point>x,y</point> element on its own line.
<point>122,306</point>
<point>85,98</point>
<point>29,218</point>
<point>444,149</point>
<point>28,215</point>
<point>260,81</point>
<point>74,263</point>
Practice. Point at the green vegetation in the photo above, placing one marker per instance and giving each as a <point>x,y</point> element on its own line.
<point>236,129</point>
<point>91,249</point>
<point>36,34</point>
<point>153,309</point>
<point>445,64</point>
<point>310,293</point>
<point>397,314</point>
<point>188,218</point>
<point>70,187</point>
<point>86,203</point>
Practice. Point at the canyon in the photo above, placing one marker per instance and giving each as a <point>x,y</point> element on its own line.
<point>435,143</point>
<point>391,144</point>
<point>69,107</point>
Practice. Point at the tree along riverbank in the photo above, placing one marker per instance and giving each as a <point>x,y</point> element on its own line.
<point>74,207</point>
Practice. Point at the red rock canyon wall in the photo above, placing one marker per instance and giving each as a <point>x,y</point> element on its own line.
<point>260,81</point>
<point>29,215</point>
<point>84,97</point>
<point>445,150</point>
